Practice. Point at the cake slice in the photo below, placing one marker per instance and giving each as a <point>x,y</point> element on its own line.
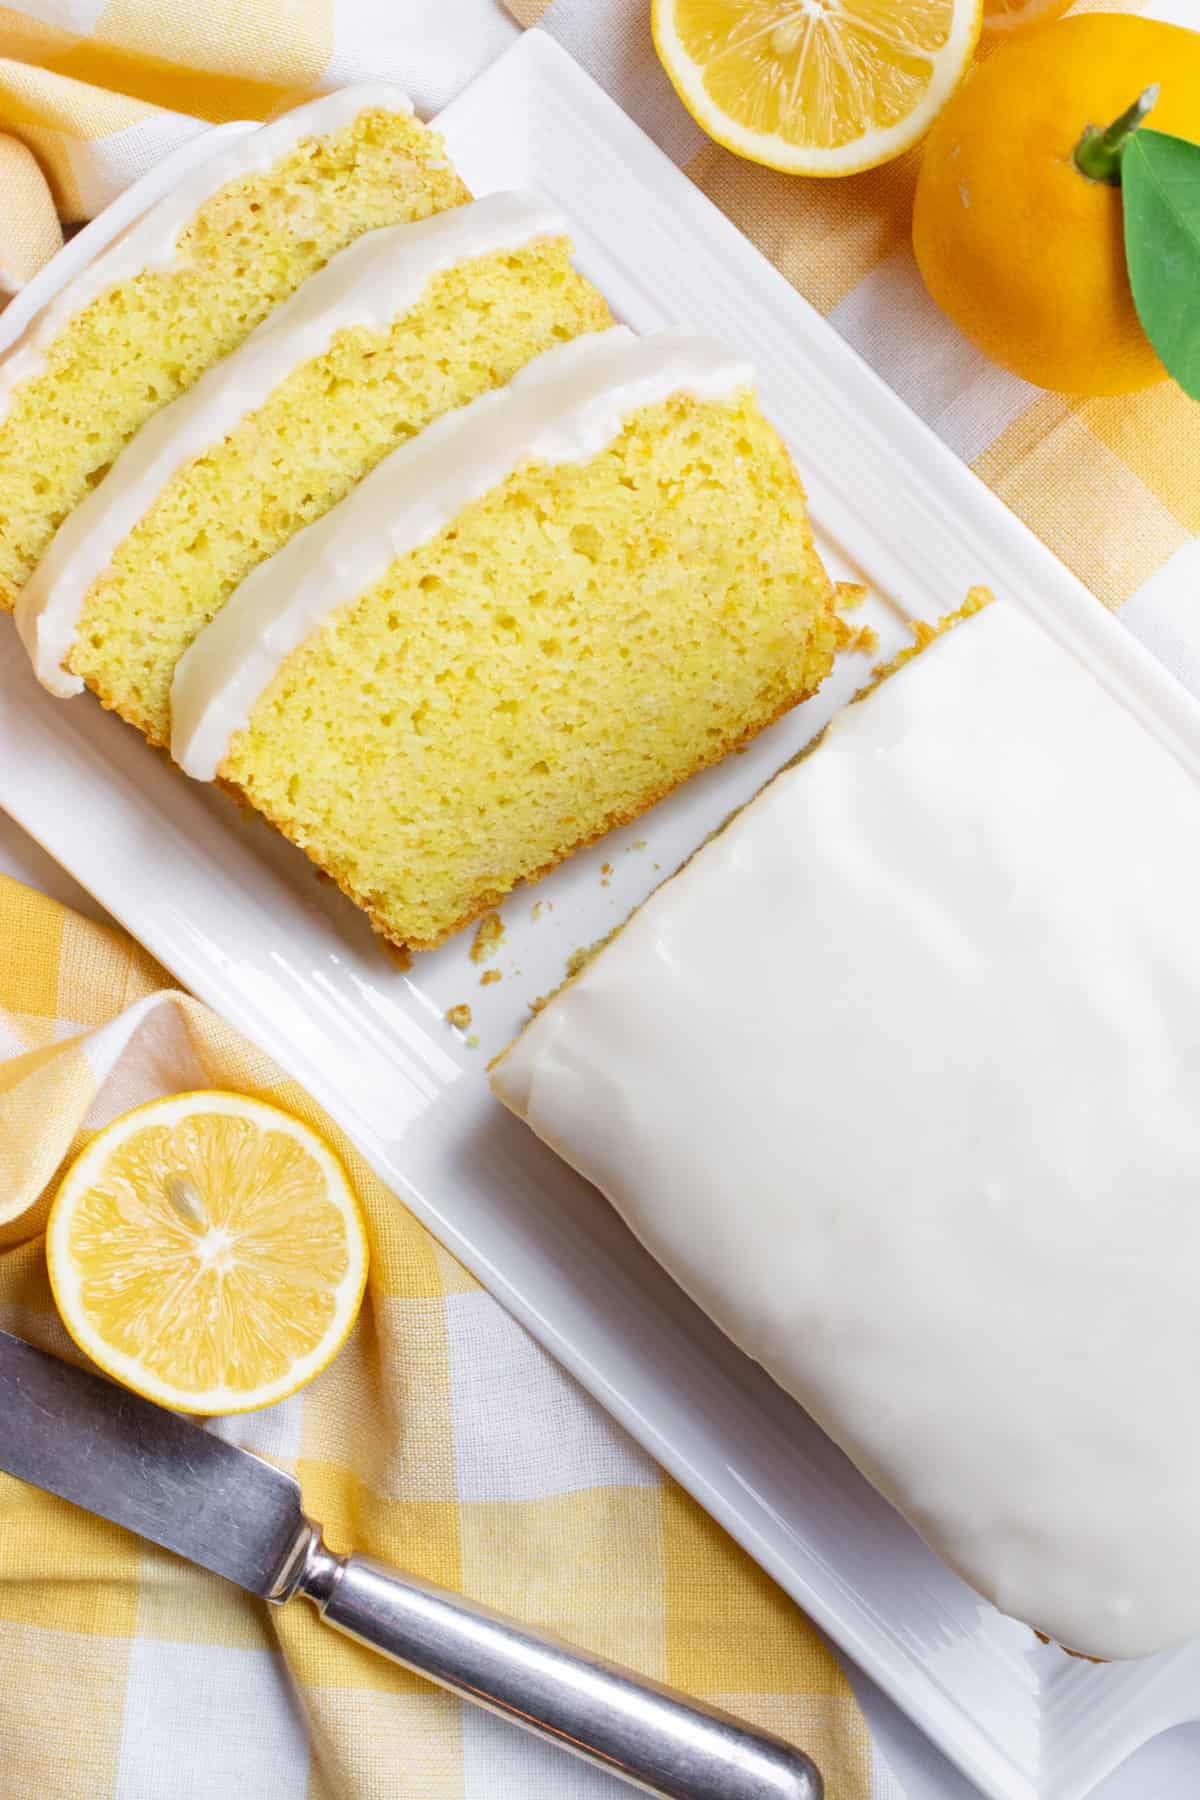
<point>899,1077</point>
<point>521,629</point>
<point>186,283</point>
<point>408,322</point>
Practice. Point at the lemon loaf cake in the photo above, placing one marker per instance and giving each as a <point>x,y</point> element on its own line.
<point>899,1078</point>
<point>406,323</point>
<point>187,282</point>
<point>522,628</point>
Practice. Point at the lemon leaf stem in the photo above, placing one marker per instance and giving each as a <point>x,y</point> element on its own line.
<point>1099,151</point>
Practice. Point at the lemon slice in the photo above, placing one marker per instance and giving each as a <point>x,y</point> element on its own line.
<point>816,87</point>
<point>1001,18</point>
<point>207,1251</point>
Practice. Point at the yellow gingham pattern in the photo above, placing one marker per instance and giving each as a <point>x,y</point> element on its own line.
<point>442,1439</point>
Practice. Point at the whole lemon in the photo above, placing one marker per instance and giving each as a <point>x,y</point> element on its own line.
<point>1024,252</point>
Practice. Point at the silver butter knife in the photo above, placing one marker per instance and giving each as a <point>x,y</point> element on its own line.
<point>102,1448</point>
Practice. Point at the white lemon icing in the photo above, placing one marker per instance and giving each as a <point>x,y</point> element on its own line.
<point>900,1079</point>
<point>378,277</point>
<point>150,241</point>
<point>564,406</point>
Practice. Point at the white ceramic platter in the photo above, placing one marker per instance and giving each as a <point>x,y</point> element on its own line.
<point>242,920</point>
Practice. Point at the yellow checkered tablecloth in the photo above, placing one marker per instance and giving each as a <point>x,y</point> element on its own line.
<point>442,1439</point>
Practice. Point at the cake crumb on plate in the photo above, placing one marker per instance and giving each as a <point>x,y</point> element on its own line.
<point>489,935</point>
<point>864,641</point>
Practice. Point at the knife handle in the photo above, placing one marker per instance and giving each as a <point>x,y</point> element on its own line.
<point>656,1739</point>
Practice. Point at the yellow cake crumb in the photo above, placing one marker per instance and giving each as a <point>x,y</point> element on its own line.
<point>473,1041</point>
<point>459,1016</point>
<point>864,641</point>
<point>488,976</point>
<point>849,595</point>
<point>489,935</point>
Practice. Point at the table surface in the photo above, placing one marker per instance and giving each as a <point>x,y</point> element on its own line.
<point>461,41</point>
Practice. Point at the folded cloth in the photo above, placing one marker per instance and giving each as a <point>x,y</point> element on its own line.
<point>29,229</point>
<point>442,1439</point>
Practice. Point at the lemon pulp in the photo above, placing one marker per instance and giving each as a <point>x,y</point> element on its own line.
<point>822,86</point>
<point>209,1254</point>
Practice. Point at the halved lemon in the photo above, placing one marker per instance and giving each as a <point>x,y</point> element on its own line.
<point>1002,18</point>
<point>816,87</point>
<point>207,1251</point>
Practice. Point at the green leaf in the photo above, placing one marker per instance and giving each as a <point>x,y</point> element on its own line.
<point>1160,182</point>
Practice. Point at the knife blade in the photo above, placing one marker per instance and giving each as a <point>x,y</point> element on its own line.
<point>81,1437</point>
<point>95,1444</point>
